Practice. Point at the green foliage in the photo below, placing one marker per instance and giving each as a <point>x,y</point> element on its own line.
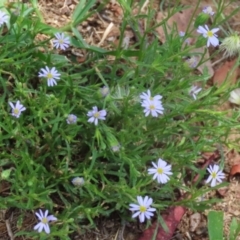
<point>81,11</point>
<point>41,154</point>
<point>234,229</point>
<point>215,225</point>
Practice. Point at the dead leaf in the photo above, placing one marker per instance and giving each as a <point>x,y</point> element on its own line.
<point>195,220</point>
<point>179,19</point>
<point>233,160</point>
<point>206,60</point>
<point>171,219</point>
<point>117,10</point>
<point>222,191</point>
<point>226,73</point>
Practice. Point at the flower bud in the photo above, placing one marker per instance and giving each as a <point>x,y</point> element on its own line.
<point>113,142</point>
<point>104,91</point>
<point>201,19</point>
<point>78,181</point>
<point>231,45</point>
<point>208,10</point>
<point>6,173</point>
<point>235,96</point>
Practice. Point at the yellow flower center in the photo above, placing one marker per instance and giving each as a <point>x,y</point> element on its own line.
<point>15,111</point>
<point>214,175</point>
<point>49,75</point>
<point>60,41</point>
<point>44,220</point>
<point>209,33</point>
<point>142,209</point>
<point>96,115</point>
<point>160,170</point>
<point>152,107</point>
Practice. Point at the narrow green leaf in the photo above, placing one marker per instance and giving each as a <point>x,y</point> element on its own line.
<point>81,10</point>
<point>80,43</point>
<point>45,28</point>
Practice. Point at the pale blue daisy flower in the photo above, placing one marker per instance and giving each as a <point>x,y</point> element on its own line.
<point>50,74</point>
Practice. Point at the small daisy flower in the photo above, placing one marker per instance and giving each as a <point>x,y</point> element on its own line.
<point>209,34</point>
<point>78,181</point>
<point>143,208</point>
<point>17,109</point>
<point>153,107</point>
<point>235,96</point>
<point>194,90</point>
<point>96,115</point>
<point>231,45</point>
<point>208,10</point>
<point>50,74</point>
<point>3,18</point>
<point>216,175</point>
<point>161,171</point>
<point>147,97</point>
<point>71,119</point>
<point>44,220</point>
<point>61,41</point>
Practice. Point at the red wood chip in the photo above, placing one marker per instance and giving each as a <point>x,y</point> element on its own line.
<point>171,219</point>
<point>235,169</point>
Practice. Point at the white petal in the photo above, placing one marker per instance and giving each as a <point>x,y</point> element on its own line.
<point>142,217</point>
<point>152,170</point>
<point>214,30</point>
<point>215,168</point>
<point>96,121</point>
<point>136,214</point>
<point>40,227</point>
<point>201,30</point>
<point>213,183</point>
<point>103,113</point>
<point>206,26</point>
<point>209,179</point>
<point>46,213</point>
<point>51,218</point>
<point>95,109</point>
<point>155,175</point>
<point>91,119</point>
<point>154,164</point>
<point>11,104</point>
<point>46,228</point>
<point>161,163</point>
<point>148,201</point>
<point>37,226</point>
<point>208,42</point>
<point>214,41</point>
<point>134,207</point>
<point>151,209</point>
<point>140,200</point>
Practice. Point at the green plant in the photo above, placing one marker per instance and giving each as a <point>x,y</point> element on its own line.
<point>41,153</point>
